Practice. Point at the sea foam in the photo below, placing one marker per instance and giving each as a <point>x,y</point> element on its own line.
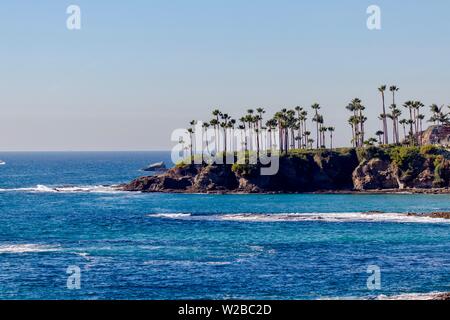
<point>306,217</point>
<point>26,248</point>
<point>66,189</point>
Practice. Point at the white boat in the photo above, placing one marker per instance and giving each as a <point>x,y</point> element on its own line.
<point>159,166</point>
<point>2,162</point>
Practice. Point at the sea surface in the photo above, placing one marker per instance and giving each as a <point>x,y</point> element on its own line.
<point>59,211</point>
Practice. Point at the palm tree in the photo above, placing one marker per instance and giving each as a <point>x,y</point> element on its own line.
<point>435,111</point>
<point>404,122</point>
<point>420,117</point>
<point>352,122</point>
<point>316,108</point>
<point>331,130</point>
<point>393,89</point>
<point>307,134</point>
<point>379,133</point>
<point>280,119</point>
<point>215,122</point>
<point>232,125</point>
<point>382,89</point>
<point>303,118</point>
<point>410,105</point>
<point>260,112</point>
<point>191,133</point>
<point>205,127</point>
<point>394,116</point>
<point>359,108</point>
<point>225,126</point>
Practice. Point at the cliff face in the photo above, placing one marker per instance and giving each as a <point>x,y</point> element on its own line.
<point>297,173</point>
<point>365,169</point>
<point>436,135</point>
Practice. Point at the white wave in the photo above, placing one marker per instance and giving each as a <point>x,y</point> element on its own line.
<point>171,215</point>
<point>26,248</point>
<point>66,189</point>
<point>186,263</point>
<point>302,217</point>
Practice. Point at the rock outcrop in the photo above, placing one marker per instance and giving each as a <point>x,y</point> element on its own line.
<point>436,135</point>
<point>375,174</point>
<point>371,169</point>
<point>303,173</point>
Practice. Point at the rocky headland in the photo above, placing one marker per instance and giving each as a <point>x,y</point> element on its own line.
<point>423,169</point>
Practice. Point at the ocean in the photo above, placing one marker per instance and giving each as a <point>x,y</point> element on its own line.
<point>58,213</point>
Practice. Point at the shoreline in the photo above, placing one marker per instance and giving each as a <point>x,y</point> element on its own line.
<point>407,191</point>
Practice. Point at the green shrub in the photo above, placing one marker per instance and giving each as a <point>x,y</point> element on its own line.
<point>407,159</point>
<point>429,150</point>
<point>245,170</point>
<point>371,152</point>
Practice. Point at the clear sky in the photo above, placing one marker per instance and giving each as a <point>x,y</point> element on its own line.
<point>139,69</point>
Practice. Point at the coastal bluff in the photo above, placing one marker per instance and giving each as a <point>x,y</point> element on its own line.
<point>373,169</point>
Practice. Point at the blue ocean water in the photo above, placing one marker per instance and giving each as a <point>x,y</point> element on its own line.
<point>56,212</point>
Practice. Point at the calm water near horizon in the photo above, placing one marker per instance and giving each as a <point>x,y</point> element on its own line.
<point>179,246</point>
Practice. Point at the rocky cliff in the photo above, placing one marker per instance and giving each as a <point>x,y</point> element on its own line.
<point>436,135</point>
<point>312,171</point>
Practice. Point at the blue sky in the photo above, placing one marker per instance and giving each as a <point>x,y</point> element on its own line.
<point>139,69</point>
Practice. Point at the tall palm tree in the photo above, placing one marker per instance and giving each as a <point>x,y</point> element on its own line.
<point>316,108</point>
<point>256,122</point>
<point>322,130</point>
<point>260,112</point>
<point>410,105</point>
<point>404,122</point>
<point>331,130</point>
<point>250,122</point>
<point>232,125</point>
<point>435,111</point>
<point>280,119</point>
<point>382,89</point>
<point>191,133</point>
<point>205,127</point>
<point>393,89</point>
<point>394,116</point>
<point>303,118</point>
<point>420,117</point>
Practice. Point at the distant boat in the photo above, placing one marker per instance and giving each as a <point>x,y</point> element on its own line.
<point>158,166</point>
<point>2,162</point>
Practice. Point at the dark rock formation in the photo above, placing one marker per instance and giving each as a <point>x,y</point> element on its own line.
<point>436,135</point>
<point>307,172</point>
<point>412,169</point>
<point>375,174</point>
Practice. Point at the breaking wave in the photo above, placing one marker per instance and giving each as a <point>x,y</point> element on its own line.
<point>302,217</point>
<point>26,248</point>
<point>171,215</point>
<point>66,189</point>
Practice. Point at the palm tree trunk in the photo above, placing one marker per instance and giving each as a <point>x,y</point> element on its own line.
<point>385,128</point>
